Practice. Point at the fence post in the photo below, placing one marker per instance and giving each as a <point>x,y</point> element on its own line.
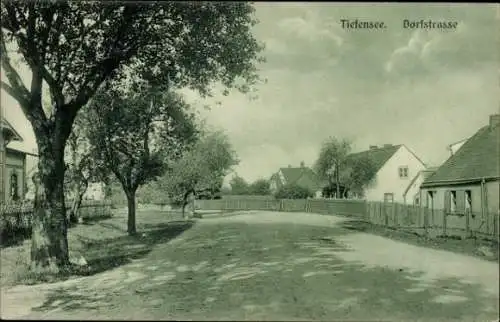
<point>386,215</point>
<point>467,223</point>
<point>395,208</point>
<point>444,223</point>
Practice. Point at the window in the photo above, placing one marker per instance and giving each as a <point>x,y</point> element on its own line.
<point>453,201</point>
<point>388,197</point>
<point>430,199</point>
<point>468,202</point>
<point>450,201</point>
<point>403,172</point>
<point>14,187</point>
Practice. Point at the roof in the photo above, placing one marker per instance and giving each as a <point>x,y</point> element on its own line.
<point>303,176</point>
<point>425,173</point>
<point>379,156</point>
<point>476,159</point>
<point>6,126</point>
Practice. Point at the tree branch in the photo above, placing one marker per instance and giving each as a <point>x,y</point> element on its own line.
<point>18,96</point>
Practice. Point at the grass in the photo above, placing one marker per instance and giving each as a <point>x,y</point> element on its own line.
<point>103,243</point>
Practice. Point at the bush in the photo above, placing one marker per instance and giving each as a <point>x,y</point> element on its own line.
<point>293,192</point>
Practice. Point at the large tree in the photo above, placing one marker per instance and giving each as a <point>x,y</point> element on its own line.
<point>134,131</point>
<point>200,169</point>
<point>74,47</point>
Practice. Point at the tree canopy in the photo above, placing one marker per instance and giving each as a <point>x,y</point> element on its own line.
<point>261,187</point>
<point>238,185</point>
<point>200,169</point>
<point>293,191</point>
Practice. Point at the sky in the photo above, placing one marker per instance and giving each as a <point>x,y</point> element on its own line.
<point>422,88</point>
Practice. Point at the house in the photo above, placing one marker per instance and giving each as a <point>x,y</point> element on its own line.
<point>13,168</point>
<point>396,166</point>
<point>469,180</point>
<point>411,195</point>
<point>302,176</point>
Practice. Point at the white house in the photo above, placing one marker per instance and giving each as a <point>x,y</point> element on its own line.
<point>411,195</point>
<point>397,165</point>
<point>453,148</point>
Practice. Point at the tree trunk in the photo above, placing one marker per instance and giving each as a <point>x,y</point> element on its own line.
<point>75,207</point>
<point>49,241</point>
<point>184,204</point>
<point>131,227</point>
<point>337,182</point>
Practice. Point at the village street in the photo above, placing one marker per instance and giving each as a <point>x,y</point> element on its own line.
<point>271,266</point>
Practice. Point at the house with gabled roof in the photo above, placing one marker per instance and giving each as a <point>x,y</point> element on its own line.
<point>12,164</point>
<point>302,176</point>
<point>468,181</point>
<point>396,166</point>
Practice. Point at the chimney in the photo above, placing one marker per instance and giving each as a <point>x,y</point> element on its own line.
<point>302,164</point>
<point>387,145</point>
<point>373,147</point>
<point>494,120</point>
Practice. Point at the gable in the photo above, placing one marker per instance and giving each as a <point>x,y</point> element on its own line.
<point>476,159</point>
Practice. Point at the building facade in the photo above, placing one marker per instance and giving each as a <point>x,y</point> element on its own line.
<point>396,166</point>
<point>466,186</point>
<point>12,166</point>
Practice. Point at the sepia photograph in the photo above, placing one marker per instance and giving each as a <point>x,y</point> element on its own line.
<point>249,161</point>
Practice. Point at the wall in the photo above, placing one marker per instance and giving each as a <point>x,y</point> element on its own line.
<point>15,162</point>
<point>478,221</point>
<point>388,180</point>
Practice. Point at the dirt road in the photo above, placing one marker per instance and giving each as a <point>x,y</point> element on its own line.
<point>274,266</point>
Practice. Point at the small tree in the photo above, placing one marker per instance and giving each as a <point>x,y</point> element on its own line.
<point>134,130</point>
<point>238,186</point>
<point>199,169</point>
<point>360,174</point>
<point>293,191</point>
<point>260,187</point>
<point>332,161</point>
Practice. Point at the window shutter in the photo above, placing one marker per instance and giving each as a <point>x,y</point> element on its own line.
<point>447,201</point>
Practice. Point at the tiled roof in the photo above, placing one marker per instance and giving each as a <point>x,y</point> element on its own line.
<point>302,176</point>
<point>379,156</point>
<point>476,159</point>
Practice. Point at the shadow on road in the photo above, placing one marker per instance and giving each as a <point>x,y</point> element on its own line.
<point>105,254</point>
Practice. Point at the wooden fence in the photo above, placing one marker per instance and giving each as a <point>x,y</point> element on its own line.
<point>421,220</point>
<point>16,216</point>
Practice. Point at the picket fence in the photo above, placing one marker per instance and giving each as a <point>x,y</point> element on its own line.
<point>17,216</point>
<point>398,216</point>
